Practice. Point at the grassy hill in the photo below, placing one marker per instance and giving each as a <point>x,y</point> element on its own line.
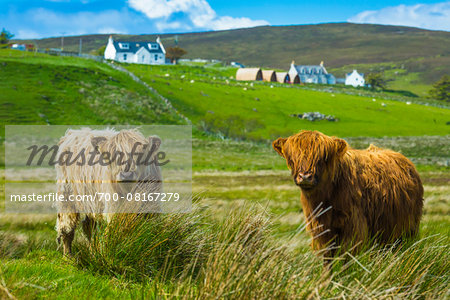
<point>263,110</point>
<point>421,56</point>
<point>70,90</point>
<point>43,89</point>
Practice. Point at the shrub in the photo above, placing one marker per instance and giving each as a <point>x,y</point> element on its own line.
<point>441,89</point>
<point>376,80</point>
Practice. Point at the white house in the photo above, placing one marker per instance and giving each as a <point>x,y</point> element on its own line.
<point>311,74</point>
<point>355,79</point>
<point>149,53</point>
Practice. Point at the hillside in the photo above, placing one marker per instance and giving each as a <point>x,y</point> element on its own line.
<point>337,44</point>
<point>71,90</point>
<point>43,89</point>
<point>264,110</point>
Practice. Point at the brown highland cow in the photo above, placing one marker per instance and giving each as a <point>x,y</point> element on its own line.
<point>350,196</point>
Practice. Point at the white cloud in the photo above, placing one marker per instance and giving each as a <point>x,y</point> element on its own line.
<point>428,16</point>
<point>42,22</point>
<point>199,13</point>
<point>147,16</point>
<point>27,34</point>
<point>85,22</point>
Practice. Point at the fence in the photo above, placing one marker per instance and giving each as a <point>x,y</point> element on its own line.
<point>73,54</point>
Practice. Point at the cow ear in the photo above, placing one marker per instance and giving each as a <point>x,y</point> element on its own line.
<point>154,142</point>
<point>278,145</point>
<point>341,146</point>
<point>97,141</point>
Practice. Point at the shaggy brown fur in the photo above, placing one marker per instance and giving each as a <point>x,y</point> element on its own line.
<point>86,179</point>
<point>348,195</point>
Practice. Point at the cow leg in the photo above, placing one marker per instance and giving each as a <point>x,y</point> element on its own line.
<point>65,226</point>
<point>88,225</point>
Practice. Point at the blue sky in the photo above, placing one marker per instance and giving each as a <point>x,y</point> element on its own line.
<point>44,18</point>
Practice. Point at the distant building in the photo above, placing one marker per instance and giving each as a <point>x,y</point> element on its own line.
<point>249,74</point>
<point>283,77</point>
<point>149,53</point>
<point>311,74</point>
<point>355,79</point>
<point>269,76</point>
<point>236,64</point>
<point>21,47</point>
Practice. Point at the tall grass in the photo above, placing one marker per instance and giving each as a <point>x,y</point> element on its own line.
<point>135,247</point>
<point>17,245</point>
<point>194,256</point>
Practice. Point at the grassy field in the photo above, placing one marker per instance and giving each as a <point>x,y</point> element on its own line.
<point>407,75</point>
<point>245,238</point>
<point>216,103</point>
<point>43,89</point>
<point>242,185</point>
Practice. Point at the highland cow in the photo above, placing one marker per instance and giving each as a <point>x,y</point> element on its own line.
<point>352,196</point>
<point>101,161</point>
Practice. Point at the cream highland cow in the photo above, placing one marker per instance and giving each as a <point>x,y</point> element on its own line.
<point>102,164</point>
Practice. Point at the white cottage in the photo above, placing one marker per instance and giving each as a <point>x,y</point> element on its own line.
<point>355,79</point>
<point>311,73</point>
<point>149,53</point>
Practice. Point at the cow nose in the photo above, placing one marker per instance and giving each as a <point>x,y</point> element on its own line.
<point>304,177</point>
<point>307,176</point>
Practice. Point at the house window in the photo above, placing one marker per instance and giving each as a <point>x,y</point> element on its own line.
<point>153,46</point>
<point>124,46</point>
<point>156,56</point>
<point>143,57</point>
<point>124,57</point>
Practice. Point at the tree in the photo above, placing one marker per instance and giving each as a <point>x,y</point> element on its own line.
<point>441,89</point>
<point>376,80</point>
<point>5,36</point>
<point>174,53</point>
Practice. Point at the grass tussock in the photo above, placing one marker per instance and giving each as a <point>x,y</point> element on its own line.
<point>136,247</point>
<point>192,256</point>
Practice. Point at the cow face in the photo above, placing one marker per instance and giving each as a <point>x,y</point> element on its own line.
<point>310,155</point>
<point>129,156</point>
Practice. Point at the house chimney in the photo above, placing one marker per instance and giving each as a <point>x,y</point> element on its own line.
<point>158,40</point>
<point>323,68</point>
<point>110,40</point>
<point>293,62</point>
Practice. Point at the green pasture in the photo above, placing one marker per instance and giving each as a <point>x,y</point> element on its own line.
<point>254,110</point>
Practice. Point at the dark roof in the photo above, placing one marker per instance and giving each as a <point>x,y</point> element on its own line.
<point>310,70</point>
<point>135,46</point>
<point>314,74</point>
<point>362,74</point>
